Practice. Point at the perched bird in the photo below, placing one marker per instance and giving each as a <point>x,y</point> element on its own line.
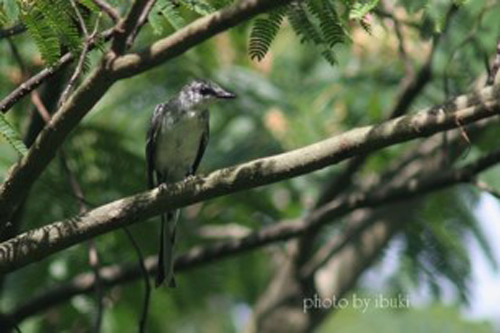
<point>176,140</point>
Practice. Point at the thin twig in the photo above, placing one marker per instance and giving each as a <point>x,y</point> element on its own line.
<point>142,20</point>
<point>95,265</point>
<point>401,41</point>
<point>36,80</point>
<point>39,106</point>
<point>108,9</point>
<point>93,254</point>
<point>35,97</point>
<point>147,283</point>
<point>127,26</point>
<point>83,54</point>
<point>492,74</point>
<point>385,14</point>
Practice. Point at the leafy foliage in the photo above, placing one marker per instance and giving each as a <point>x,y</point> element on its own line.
<point>53,25</point>
<point>263,33</point>
<point>436,245</point>
<point>9,12</point>
<point>11,135</point>
<point>315,21</point>
<point>198,6</point>
<point>171,11</point>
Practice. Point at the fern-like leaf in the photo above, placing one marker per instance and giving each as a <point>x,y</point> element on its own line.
<point>165,9</point>
<point>45,39</point>
<point>9,12</point>
<point>264,31</point>
<point>302,25</point>
<point>172,14</point>
<point>59,15</point>
<point>52,24</point>
<point>301,18</point>
<point>90,5</point>
<point>330,24</point>
<point>11,135</point>
<point>359,9</point>
<point>155,21</point>
<point>4,19</point>
<point>199,6</point>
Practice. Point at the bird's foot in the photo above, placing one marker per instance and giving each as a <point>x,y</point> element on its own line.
<point>189,178</point>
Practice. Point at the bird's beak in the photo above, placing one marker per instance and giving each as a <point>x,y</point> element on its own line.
<point>224,94</point>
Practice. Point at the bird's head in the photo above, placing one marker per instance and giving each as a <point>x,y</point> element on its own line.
<point>198,94</point>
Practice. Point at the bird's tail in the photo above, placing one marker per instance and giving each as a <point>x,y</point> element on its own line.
<point>165,271</point>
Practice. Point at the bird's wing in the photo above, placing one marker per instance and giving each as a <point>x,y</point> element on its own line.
<point>151,142</point>
<point>203,144</point>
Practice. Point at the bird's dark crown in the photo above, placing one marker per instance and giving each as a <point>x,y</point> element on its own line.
<point>205,89</point>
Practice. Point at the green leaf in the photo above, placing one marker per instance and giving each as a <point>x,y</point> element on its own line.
<point>155,21</point>
<point>360,9</point>
<point>170,12</point>
<point>9,12</point>
<point>264,31</point>
<point>41,32</point>
<point>172,15</point>
<point>199,6</point>
<point>90,5</point>
<point>11,135</point>
<point>59,15</point>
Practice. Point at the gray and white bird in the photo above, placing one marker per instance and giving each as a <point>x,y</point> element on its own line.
<point>176,140</point>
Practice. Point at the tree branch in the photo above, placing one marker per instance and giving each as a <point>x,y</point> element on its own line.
<point>412,85</point>
<point>81,60</point>
<point>147,283</point>
<point>24,174</point>
<point>187,37</point>
<point>126,27</point>
<point>39,243</point>
<point>200,255</point>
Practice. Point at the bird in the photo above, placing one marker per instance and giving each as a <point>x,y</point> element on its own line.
<point>176,140</point>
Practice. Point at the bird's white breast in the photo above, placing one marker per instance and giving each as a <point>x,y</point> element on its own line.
<point>178,144</point>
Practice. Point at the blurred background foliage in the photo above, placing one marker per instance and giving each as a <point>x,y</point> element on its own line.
<point>291,98</point>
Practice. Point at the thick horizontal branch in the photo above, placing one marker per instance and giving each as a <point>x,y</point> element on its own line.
<point>200,255</point>
<point>23,175</point>
<point>39,243</point>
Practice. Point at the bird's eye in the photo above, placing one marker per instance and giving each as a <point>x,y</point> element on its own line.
<point>205,91</point>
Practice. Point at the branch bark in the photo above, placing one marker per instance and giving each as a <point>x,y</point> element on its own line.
<point>39,243</point>
<point>127,25</point>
